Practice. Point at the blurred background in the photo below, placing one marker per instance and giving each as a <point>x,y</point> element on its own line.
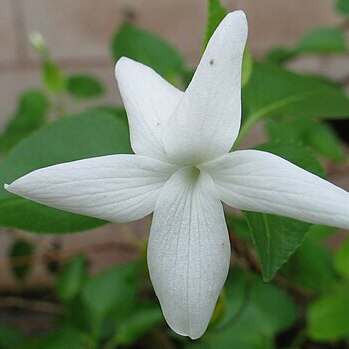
<point>78,33</point>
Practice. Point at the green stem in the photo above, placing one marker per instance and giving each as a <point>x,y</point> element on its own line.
<point>254,118</point>
<point>60,105</point>
<point>245,129</point>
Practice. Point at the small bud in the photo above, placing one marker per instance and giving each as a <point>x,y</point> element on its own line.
<point>39,44</point>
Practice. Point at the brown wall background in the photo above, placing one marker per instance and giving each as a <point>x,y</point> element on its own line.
<point>79,31</point>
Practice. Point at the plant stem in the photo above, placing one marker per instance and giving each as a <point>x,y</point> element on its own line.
<point>258,115</point>
<point>60,106</point>
<point>245,129</point>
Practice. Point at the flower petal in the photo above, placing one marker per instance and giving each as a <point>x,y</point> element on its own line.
<point>149,100</point>
<point>207,119</point>
<point>116,188</point>
<point>188,252</point>
<point>258,181</point>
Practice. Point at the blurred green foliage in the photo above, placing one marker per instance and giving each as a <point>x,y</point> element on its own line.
<point>343,7</point>
<point>82,86</point>
<point>21,248</point>
<point>341,260</point>
<point>215,13</point>
<point>71,278</point>
<point>273,90</point>
<point>31,114</point>
<point>53,78</point>
<point>147,48</point>
<point>255,314</point>
<point>328,316</point>
<point>314,134</point>
<point>324,40</point>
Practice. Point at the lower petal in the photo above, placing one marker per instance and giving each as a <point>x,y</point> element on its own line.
<point>188,251</point>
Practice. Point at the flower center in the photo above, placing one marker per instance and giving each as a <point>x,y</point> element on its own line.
<point>193,173</point>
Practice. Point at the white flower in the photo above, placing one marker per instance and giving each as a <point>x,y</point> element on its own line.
<point>182,171</point>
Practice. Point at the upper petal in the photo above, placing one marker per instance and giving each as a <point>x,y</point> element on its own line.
<point>258,181</point>
<point>207,120</point>
<point>149,100</point>
<point>188,252</point>
<point>116,188</point>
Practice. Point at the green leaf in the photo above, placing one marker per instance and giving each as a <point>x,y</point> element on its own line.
<point>148,49</point>
<point>200,345</point>
<point>10,338</point>
<point>112,291</point>
<point>275,306</point>
<point>53,78</point>
<point>30,116</point>
<point>341,259</point>
<point>328,317</point>
<point>325,141</point>
<point>86,135</point>
<point>273,91</point>
<point>343,7</point>
<point>323,40</point>
<point>140,322</point>
<point>263,312</point>
<point>242,339</point>
<point>21,248</point>
<point>311,266</point>
<point>272,309</point>
<point>279,55</point>
<point>247,67</point>
<point>63,338</point>
<point>289,129</point>
<point>71,278</point>
<point>116,111</point>
<point>82,86</point>
<point>313,133</point>
<point>239,226</point>
<point>215,13</point>
<point>187,77</point>
<point>277,238</point>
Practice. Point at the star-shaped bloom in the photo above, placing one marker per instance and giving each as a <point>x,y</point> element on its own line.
<point>182,171</point>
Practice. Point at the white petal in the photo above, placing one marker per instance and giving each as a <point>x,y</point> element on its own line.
<point>258,181</point>
<point>149,100</point>
<point>188,252</point>
<point>207,119</point>
<point>116,188</point>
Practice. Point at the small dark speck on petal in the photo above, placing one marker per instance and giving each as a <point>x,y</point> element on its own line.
<point>211,61</point>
